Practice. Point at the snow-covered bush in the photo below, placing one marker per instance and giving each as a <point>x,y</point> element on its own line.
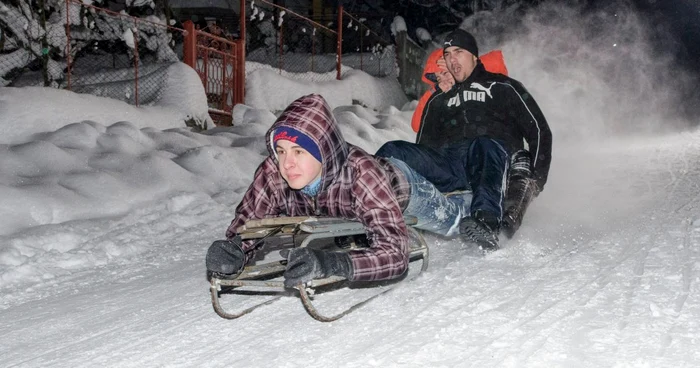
<point>34,38</point>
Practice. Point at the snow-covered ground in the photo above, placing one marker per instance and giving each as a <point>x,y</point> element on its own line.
<point>105,227</point>
<point>108,210</point>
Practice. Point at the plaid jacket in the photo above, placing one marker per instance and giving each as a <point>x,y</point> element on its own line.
<point>354,185</point>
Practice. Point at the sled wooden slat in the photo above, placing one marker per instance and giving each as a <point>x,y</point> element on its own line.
<point>314,227</point>
<point>308,224</point>
<point>261,232</point>
<point>331,225</point>
<point>262,270</point>
<point>273,221</point>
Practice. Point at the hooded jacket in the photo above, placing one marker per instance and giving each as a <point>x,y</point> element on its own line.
<point>492,105</point>
<point>354,185</point>
<point>492,60</point>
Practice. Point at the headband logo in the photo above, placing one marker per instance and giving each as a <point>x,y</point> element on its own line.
<point>283,135</point>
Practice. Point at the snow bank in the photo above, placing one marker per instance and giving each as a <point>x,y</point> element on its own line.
<point>184,93</point>
<point>266,89</point>
<point>66,186</point>
<point>31,110</point>
<point>75,165</point>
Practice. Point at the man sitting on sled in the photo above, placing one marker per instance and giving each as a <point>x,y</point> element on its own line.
<point>312,171</point>
<point>472,137</point>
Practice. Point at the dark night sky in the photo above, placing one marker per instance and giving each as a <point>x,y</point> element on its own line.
<point>680,17</point>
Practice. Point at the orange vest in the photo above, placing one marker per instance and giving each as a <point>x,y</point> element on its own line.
<point>493,62</point>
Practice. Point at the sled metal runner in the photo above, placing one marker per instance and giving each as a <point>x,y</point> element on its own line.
<point>291,232</point>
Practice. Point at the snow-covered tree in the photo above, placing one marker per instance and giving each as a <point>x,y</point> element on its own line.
<point>34,34</point>
<point>440,16</point>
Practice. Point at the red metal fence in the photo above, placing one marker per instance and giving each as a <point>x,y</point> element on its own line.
<point>115,55</point>
<point>220,63</point>
<point>334,38</point>
<point>126,68</point>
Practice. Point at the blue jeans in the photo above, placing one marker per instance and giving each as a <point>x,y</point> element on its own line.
<point>479,164</point>
<point>435,211</point>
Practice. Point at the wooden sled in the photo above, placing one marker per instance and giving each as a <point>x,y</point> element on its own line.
<point>290,232</point>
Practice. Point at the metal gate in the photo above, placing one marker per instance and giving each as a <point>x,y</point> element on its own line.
<point>220,63</point>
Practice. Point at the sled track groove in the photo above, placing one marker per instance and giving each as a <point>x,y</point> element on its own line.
<point>688,259</point>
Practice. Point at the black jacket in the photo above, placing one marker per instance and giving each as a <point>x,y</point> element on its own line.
<point>493,105</point>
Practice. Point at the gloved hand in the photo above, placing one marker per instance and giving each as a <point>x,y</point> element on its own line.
<point>225,257</point>
<point>305,264</point>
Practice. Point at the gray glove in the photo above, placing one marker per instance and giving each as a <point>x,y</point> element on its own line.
<point>304,265</point>
<point>225,257</point>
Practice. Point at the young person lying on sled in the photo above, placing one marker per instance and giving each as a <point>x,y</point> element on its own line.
<point>313,171</point>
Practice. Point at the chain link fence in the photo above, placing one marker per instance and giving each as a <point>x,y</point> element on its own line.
<point>290,42</point>
<point>31,44</point>
<point>73,45</point>
<point>311,48</point>
<point>114,55</point>
<point>365,49</point>
<point>411,62</point>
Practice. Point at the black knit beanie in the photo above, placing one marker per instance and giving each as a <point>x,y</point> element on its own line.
<point>463,39</point>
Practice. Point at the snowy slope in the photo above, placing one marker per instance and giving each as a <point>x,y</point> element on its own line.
<point>107,212</point>
<point>604,272</point>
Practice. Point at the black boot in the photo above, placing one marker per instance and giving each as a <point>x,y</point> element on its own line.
<point>520,193</point>
<point>482,229</point>
<point>521,190</point>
